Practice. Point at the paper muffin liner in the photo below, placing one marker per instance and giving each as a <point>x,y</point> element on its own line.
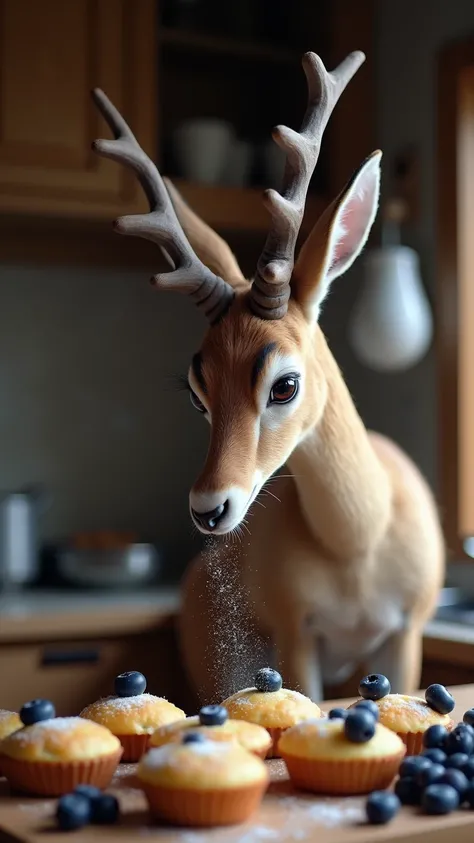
<point>342,777</point>
<point>414,740</point>
<point>185,807</point>
<point>134,746</point>
<point>53,778</point>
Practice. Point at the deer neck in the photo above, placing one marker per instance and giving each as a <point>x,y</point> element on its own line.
<point>344,490</point>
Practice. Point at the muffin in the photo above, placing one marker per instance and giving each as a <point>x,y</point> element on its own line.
<point>9,722</point>
<point>408,716</point>
<point>213,722</point>
<point>131,714</point>
<point>201,782</point>
<point>271,706</point>
<point>341,756</point>
<point>52,755</point>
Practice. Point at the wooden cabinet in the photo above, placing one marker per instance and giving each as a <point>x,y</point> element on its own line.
<point>73,673</point>
<point>52,53</point>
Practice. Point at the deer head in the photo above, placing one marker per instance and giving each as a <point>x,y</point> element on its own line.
<point>257,378</point>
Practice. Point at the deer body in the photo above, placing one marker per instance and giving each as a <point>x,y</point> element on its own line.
<point>342,570</point>
<point>344,563</point>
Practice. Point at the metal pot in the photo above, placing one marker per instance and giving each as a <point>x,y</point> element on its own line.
<point>135,564</point>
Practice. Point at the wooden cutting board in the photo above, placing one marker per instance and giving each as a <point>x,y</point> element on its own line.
<point>286,816</point>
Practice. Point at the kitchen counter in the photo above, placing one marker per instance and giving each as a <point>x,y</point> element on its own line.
<point>48,614</point>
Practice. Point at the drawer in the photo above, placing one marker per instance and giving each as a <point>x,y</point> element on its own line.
<point>74,673</point>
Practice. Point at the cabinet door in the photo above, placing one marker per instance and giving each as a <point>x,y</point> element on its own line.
<point>75,673</point>
<point>51,54</point>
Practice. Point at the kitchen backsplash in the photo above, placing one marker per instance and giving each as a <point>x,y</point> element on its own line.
<point>87,406</point>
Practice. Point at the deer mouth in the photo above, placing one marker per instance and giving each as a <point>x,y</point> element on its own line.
<point>227,515</point>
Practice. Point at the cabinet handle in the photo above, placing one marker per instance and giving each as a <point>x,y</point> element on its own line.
<point>62,657</point>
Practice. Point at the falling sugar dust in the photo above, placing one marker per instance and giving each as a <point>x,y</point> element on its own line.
<point>235,649</point>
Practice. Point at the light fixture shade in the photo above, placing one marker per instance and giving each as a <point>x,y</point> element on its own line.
<point>391,325</point>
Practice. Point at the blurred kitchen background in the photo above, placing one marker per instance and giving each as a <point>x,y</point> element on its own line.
<point>97,447</point>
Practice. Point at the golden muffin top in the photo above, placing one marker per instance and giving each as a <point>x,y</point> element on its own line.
<point>272,709</point>
<point>252,737</point>
<point>9,722</point>
<point>203,765</point>
<point>60,739</point>
<point>403,713</point>
<point>137,715</point>
<point>325,739</point>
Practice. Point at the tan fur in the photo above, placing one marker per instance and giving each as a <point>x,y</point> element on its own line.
<point>345,560</point>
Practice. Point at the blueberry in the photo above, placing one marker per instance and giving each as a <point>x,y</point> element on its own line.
<point>267,680</point>
<point>412,765</point>
<point>337,714</point>
<point>374,687</point>
<point>371,706</point>
<point>194,737</point>
<point>435,737</point>
<point>468,728</point>
<point>457,761</point>
<point>468,769</point>
<point>408,791</point>
<point>439,698</point>
<point>440,799</point>
<point>381,807</point>
<point>429,775</point>
<point>359,725</point>
<point>213,715</point>
<point>437,756</point>
<point>130,684</point>
<point>73,811</point>
<point>36,710</point>
<point>105,809</point>
<point>468,717</point>
<point>457,780</point>
<point>88,790</point>
<point>459,740</point>
<point>469,795</point>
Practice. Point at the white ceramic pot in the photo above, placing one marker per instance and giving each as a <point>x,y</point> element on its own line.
<point>239,162</point>
<point>201,149</point>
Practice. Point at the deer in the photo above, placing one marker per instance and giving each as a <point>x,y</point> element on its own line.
<point>343,563</point>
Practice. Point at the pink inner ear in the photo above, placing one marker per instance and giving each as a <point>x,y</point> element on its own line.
<point>351,225</point>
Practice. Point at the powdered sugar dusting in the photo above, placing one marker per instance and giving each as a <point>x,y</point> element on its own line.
<point>56,724</point>
<point>235,643</point>
<point>299,819</point>
<point>130,703</point>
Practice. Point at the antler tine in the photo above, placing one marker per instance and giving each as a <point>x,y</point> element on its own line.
<point>161,224</point>
<point>271,286</point>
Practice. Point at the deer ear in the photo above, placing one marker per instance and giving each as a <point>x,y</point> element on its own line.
<point>337,238</point>
<point>210,248</point>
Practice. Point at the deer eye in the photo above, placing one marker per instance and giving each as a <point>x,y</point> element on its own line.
<point>197,404</point>
<point>284,390</point>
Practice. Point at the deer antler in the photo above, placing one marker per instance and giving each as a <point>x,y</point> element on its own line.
<point>271,286</point>
<point>160,225</point>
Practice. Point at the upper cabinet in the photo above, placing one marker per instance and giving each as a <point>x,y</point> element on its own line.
<point>238,61</point>
<point>52,53</point>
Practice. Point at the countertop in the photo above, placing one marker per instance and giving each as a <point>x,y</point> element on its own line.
<point>31,614</point>
<point>286,815</point>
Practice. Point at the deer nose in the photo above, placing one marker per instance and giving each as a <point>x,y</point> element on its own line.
<point>210,520</point>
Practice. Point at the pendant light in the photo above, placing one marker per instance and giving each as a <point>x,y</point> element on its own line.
<point>391,325</point>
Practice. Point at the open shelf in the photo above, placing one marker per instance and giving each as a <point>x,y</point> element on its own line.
<point>197,42</point>
<point>238,208</point>
<point>47,240</point>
